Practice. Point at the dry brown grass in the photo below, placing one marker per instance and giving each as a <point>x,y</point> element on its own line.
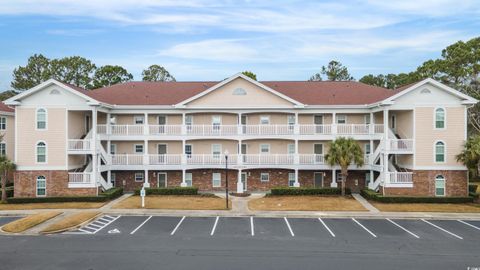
<point>305,203</point>
<point>65,205</point>
<point>71,221</point>
<point>427,207</point>
<point>28,222</point>
<point>174,202</point>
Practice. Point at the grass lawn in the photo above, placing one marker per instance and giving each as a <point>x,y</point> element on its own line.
<point>174,202</point>
<point>28,222</point>
<point>427,207</point>
<point>64,205</point>
<point>306,203</point>
<point>70,221</point>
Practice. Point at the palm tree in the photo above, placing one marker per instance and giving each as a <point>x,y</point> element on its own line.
<point>6,166</point>
<point>344,152</point>
<point>470,155</point>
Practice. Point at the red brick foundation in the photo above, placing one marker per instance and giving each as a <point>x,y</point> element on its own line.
<point>57,184</point>
<point>424,184</point>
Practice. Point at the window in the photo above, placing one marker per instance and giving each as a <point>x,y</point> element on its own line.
<point>239,92</point>
<point>3,149</point>
<point>113,178</point>
<point>3,123</point>
<point>291,149</point>
<point>440,118</point>
<point>188,179</point>
<point>41,152</point>
<point>367,178</point>
<point>341,119</point>
<point>138,148</point>
<point>188,150</point>
<point>367,149</point>
<point>216,122</point>
<point>264,177</point>
<point>264,120</point>
<point>113,149</point>
<point>264,148</point>
<point>139,177</point>
<point>216,150</point>
<point>216,180</point>
<point>291,179</point>
<point>291,121</point>
<point>367,119</point>
<point>425,91</point>
<point>439,152</point>
<point>41,186</point>
<point>139,119</point>
<point>41,119</point>
<point>439,185</point>
<point>54,92</point>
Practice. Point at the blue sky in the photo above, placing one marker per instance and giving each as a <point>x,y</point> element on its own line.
<point>211,40</point>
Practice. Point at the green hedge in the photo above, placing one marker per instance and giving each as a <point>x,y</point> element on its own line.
<point>102,197</point>
<point>169,191</point>
<point>374,196</point>
<point>292,191</point>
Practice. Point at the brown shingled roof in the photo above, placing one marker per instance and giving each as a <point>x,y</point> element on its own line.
<point>5,108</point>
<point>306,92</point>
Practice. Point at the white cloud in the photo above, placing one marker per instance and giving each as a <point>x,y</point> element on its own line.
<point>213,50</point>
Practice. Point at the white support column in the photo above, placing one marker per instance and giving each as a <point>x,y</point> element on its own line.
<point>94,143</point>
<point>184,156</point>
<point>240,154</point>
<point>296,158</point>
<point>239,124</point>
<point>146,130</point>
<point>372,125</point>
<point>183,184</point>
<point>297,183</point>
<point>334,179</point>
<point>147,183</point>
<point>386,130</point>
<point>109,176</point>
<point>334,123</point>
<point>146,158</point>
<point>372,178</point>
<point>184,128</point>
<point>108,128</point>
<point>296,127</point>
<point>239,182</point>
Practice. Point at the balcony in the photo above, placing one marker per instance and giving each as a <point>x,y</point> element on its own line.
<point>80,180</point>
<point>399,179</point>
<point>80,146</point>
<point>240,130</point>
<point>400,146</point>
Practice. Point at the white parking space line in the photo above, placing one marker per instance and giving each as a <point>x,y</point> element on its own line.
<point>442,229</point>
<point>468,224</point>
<point>214,226</point>
<point>288,225</point>
<point>326,227</point>
<point>139,226</point>
<point>396,224</point>
<point>178,225</point>
<point>365,228</point>
<point>252,229</point>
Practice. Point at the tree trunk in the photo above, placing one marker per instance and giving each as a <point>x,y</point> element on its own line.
<point>344,174</point>
<point>4,188</point>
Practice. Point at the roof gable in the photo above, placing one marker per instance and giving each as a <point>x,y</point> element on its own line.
<point>239,91</point>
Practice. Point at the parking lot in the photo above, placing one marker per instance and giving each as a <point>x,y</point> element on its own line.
<point>7,219</point>
<point>283,228</point>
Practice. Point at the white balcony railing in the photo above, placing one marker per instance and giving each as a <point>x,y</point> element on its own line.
<point>309,159</point>
<point>275,159</point>
<point>165,159</point>
<point>79,145</point>
<point>80,178</point>
<point>400,145</point>
<point>210,159</point>
<point>242,130</point>
<point>399,177</point>
<point>127,159</point>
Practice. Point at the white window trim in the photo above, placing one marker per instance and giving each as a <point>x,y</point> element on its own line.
<point>219,117</point>
<point>268,177</point>
<point>36,186</point>
<point>260,149</point>
<point>36,152</point>
<point>191,118</point>
<point>143,177</point>
<point>293,179</point>
<point>4,143</point>
<point>36,119</point>
<point>444,186</point>
<point>139,116</point>
<point>135,149</point>
<point>166,178</point>
<point>435,152</point>
<point>444,118</point>
<point>114,145</point>
<point>220,152</point>
<point>191,149</point>
<point>166,119</point>
<point>3,117</point>
<point>336,119</point>
<point>288,148</point>
<point>323,148</point>
<point>219,179</point>
<point>289,117</point>
<point>166,147</point>
<point>264,116</point>
<point>365,148</point>
<point>365,119</point>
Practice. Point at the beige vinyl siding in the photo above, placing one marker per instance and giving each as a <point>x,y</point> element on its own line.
<point>173,147</point>
<point>126,147</point>
<point>205,146</point>
<point>255,97</point>
<point>8,136</point>
<point>206,118</point>
<point>405,124</point>
<point>76,124</point>
<point>276,146</point>
<point>426,135</point>
<point>172,119</point>
<point>28,136</point>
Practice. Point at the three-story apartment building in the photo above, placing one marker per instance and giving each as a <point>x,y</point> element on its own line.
<point>69,141</point>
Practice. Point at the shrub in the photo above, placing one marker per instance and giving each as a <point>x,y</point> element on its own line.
<point>102,197</point>
<point>374,196</point>
<point>169,191</point>
<point>290,191</point>
<point>472,188</point>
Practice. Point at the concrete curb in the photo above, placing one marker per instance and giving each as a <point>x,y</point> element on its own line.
<point>73,227</point>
